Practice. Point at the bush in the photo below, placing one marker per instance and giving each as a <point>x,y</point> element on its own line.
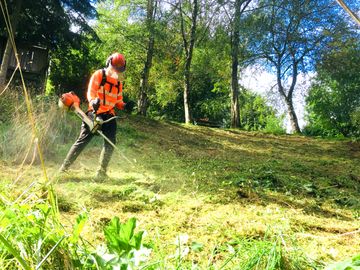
<point>33,237</point>
<point>274,125</point>
<point>255,114</point>
<point>355,121</point>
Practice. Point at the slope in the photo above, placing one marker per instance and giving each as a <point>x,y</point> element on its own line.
<point>216,188</point>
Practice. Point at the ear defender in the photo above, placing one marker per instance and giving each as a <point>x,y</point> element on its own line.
<point>117,61</point>
<point>108,61</point>
<point>122,69</point>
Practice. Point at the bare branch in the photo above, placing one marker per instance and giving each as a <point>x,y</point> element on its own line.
<point>183,29</point>
<point>349,11</point>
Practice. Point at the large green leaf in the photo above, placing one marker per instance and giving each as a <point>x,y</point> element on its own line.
<point>121,238</point>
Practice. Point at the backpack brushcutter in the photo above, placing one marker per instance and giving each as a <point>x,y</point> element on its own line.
<point>70,101</point>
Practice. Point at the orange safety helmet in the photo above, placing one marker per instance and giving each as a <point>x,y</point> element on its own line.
<point>117,61</point>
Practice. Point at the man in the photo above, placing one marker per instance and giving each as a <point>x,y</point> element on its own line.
<point>104,94</point>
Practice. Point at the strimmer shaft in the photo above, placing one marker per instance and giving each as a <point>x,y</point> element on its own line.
<point>87,120</point>
<point>113,145</point>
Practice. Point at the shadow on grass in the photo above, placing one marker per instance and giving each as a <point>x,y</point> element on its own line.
<point>309,208</point>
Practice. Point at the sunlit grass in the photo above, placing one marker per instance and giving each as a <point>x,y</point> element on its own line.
<point>244,200</point>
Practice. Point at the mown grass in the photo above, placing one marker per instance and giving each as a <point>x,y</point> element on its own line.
<point>208,198</point>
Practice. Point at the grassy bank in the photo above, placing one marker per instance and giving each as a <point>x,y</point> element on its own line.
<point>207,198</point>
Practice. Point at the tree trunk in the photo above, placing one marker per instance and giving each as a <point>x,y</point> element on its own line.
<point>186,99</point>
<point>288,97</point>
<point>293,118</point>
<point>187,87</point>
<point>143,102</point>
<point>189,47</point>
<point>235,108</point>
<point>8,49</point>
<point>5,63</point>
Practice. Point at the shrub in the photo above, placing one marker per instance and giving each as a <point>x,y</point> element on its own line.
<point>33,237</point>
<point>274,125</point>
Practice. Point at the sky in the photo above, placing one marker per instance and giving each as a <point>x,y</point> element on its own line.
<point>264,83</point>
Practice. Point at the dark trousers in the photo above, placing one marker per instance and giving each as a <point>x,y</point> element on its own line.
<point>108,129</point>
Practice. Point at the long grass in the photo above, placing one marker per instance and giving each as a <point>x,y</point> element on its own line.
<point>54,129</point>
<point>184,182</point>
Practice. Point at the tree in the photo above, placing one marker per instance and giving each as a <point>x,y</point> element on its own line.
<point>294,31</point>
<point>144,82</point>
<point>71,67</point>
<point>136,28</point>
<point>333,103</point>
<point>47,23</point>
<point>240,6</point>
<point>233,19</point>
<point>188,43</point>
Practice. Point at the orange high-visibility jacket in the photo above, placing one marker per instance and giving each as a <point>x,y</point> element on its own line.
<point>110,93</point>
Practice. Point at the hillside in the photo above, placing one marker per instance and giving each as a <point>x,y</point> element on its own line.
<point>227,192</point>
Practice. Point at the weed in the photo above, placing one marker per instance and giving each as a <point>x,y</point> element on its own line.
<point>350,264</point>
<point>32,238</point>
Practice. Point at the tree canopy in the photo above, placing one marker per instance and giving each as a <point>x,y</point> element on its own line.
<point>333,103</point>
<point>51,23</point>
<point>184,58</point>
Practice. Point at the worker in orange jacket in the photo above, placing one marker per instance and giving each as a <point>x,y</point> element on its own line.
<point>104,94</point>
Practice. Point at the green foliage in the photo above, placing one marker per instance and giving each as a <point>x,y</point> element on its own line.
<point>78,227</point>
<point>210,91</point>
<point>48,23</point>
<point>33,237</point>
<point>124,246</point>
<point>351,264</point>
<point>216,106</point>
<point>274,124</point>
<point>8,101</point>
<point>270,253</point>
<point>71,68</point>
<point>355,119</point>
<point>121,238</point>
<point>255,114</point>
<point>120,27</point>
<point>334,99</point>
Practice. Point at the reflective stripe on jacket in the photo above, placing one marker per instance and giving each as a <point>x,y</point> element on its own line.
<point>110,94</point>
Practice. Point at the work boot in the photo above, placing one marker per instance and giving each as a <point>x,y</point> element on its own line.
<point>100,175</point>
<point>104,160</point>
<point>62,173</point>
<point>63,169</point>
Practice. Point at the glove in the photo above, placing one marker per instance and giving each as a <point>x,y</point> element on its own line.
<point>129,106</point>
<point>95,104</point>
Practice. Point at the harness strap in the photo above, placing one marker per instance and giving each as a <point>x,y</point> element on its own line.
<point>118,87</point>
<point>104,81</point>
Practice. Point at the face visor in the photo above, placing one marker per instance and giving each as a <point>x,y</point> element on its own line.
<point>119,69</point>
